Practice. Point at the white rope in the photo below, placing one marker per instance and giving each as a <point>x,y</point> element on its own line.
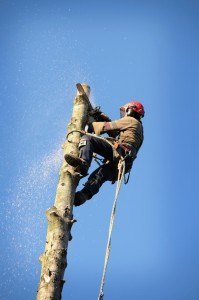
<point>112,219</point>
<point>121,173</point>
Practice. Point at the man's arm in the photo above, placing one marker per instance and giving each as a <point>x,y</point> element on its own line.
<point>110,127</point>
<point>99,117</point>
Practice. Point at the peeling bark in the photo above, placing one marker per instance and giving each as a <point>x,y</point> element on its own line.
<point>60,216</point>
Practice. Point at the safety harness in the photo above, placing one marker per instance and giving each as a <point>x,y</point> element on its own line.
<point>129,150</point>
<point>121,177</point>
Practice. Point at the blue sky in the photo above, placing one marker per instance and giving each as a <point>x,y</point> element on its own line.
<point>146,50</point>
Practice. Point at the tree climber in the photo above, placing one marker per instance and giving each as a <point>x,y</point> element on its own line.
<point>126,136</point>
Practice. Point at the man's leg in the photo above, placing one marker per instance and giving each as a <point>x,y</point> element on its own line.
<point>89,145</point>
<point>106,172</point>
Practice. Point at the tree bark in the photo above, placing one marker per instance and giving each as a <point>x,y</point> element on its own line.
<point>60,216</point>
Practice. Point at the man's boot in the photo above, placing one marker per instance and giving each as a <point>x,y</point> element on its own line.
<point>81,197</point>
<point>80,164</point>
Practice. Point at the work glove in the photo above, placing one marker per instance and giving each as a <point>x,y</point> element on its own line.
<point>99,116</point>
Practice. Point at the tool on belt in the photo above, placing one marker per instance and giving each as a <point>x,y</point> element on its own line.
<point>129,150</point>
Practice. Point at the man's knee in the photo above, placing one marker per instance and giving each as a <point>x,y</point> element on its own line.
<point>95,181</point>
<point>85,140</point>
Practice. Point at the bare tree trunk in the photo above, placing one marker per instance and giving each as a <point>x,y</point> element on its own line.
<point>60,217</point>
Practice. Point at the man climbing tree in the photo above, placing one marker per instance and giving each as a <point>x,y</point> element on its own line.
<point>125,139</point>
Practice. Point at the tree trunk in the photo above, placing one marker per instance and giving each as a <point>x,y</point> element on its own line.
<point>60,217</point>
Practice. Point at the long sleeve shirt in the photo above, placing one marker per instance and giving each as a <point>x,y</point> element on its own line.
<point>130,130</point>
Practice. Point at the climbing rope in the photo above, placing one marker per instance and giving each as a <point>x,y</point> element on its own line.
<point>121,173</point>
<point>121,176</point>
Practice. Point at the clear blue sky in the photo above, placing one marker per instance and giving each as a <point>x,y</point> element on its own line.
<point>146,50</point>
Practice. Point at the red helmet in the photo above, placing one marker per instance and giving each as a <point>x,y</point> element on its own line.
<point>132,106</point>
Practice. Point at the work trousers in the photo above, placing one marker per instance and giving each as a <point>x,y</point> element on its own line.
<point>106,172</point>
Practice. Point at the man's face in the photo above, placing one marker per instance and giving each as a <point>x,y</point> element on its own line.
<point>123,110</point>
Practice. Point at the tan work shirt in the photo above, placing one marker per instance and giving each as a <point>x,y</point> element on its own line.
<point>129,129</point>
